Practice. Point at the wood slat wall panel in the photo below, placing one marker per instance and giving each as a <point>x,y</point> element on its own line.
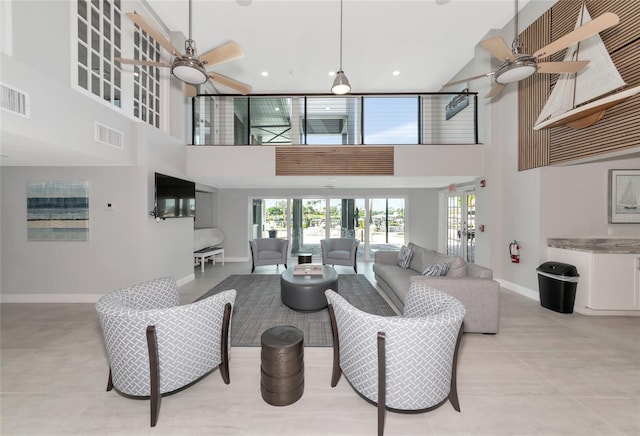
<point>334,161</point>
<point>533,148</point>
<point>620,128</point>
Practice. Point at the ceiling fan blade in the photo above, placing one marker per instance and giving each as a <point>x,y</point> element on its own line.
<point>495,90</point>
<point>597,25</point>
<point>141,62</point>
<point>561,67</point>
<point>148,27</point>
<point>455,82</point>
<point>224,53</point>
<point>230,83</point>
<point>190,90</point>
<point>498,48</point>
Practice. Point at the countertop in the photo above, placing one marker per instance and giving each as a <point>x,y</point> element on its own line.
<point>598,245</point>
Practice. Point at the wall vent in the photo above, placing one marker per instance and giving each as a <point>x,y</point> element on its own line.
<point>14,100</point>
<point>107,135</point>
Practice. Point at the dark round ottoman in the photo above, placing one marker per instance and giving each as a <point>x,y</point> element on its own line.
<point>306,293</point>
<point>282,368</point>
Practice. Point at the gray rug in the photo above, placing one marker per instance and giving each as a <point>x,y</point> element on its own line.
<point>259,307</point>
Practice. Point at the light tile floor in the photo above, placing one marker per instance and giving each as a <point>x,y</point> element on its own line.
<point>545,373</point>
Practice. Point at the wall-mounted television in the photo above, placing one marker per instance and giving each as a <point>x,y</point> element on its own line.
<point>175,198</point>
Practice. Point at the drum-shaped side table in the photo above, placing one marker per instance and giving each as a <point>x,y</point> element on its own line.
<point>282,367</point>
<point>306,293</point>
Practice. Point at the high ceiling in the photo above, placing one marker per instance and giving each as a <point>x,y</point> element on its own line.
<point>298,42</point>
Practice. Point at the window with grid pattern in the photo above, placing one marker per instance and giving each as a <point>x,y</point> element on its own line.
<point>99,37</point>
<point>146,88</point>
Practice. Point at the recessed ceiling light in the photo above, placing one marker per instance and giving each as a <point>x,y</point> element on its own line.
<point>332,73</point>
<point>396,73</point>
<point>265,73</point>
<point>277,109</point>
<point>327,108</point>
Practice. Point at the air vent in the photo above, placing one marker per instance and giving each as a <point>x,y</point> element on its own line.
<point>107,135</point>
<point>14,100</point>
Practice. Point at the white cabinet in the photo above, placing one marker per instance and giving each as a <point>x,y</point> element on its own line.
<point>609,282</point>
<point>615,282</point>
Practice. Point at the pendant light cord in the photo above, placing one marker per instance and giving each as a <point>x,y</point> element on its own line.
<point>340,35</point>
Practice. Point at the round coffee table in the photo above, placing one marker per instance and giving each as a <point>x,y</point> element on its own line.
<point>306,293</point>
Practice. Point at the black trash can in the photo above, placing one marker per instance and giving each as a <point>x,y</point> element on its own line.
<point>557,282</point>
<point>272,233</point>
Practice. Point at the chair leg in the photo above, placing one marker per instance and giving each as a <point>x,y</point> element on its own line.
<point>382,383</point>
<point>109,382</point>
<point>154,374</point>
<point>224,345</point>
<point>337,372</point>
<point>453,391</point>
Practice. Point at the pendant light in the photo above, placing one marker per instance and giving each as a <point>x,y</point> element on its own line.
<point>341,83</point>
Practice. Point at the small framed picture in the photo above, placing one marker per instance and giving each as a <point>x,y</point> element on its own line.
<point>624,196</point>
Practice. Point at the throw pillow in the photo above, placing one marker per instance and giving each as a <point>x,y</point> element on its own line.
<point>457,267</point>
<point>438,269</point>
<point>404,257</point>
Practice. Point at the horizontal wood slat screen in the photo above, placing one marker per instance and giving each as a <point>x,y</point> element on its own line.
<point>334,161</point>
<point>619,130</point>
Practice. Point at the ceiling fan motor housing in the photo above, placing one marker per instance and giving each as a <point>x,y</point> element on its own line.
<point>513,71</point>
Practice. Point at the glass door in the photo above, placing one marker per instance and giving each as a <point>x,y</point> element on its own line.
<point>461,224</point>
<point>386,224</point>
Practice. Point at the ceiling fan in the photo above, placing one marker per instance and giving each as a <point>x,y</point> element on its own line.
<point>516,66</point>
<point>189,67</point>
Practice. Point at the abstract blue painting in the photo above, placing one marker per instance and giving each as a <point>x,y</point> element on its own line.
<point>58,211</point>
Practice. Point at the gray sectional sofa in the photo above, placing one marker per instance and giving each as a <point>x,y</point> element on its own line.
<point>471,284</point>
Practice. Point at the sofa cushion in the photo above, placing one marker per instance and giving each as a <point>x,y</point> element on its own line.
<point>438,269</point>
<point>457,267</point>
<point>404,257</point>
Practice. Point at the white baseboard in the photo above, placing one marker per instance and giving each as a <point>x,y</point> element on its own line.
<point>534,295</point>
<point>186,279</point>
<point>593,312</point>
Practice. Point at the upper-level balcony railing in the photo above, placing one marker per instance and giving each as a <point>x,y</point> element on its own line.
<point>367,119</point>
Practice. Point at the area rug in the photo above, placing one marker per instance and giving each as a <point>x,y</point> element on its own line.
<point>258,307</point>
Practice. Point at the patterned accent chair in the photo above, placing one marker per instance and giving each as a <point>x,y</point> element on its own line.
<point>268,251</point>
<point>155,346</point>
<point>402,364</point>
<point>340,251</point>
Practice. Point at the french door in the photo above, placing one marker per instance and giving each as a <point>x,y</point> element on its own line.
<point>461,224</point>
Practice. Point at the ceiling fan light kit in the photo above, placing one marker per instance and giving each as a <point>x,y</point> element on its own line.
<point>520,69</point>
<point>189,70</point>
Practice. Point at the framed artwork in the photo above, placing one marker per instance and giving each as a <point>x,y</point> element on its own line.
<point>624,196</point>
<point>457,103</point>
<point>58,211</point>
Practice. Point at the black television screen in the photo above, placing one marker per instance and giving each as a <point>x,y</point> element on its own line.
<point>175,198</point>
